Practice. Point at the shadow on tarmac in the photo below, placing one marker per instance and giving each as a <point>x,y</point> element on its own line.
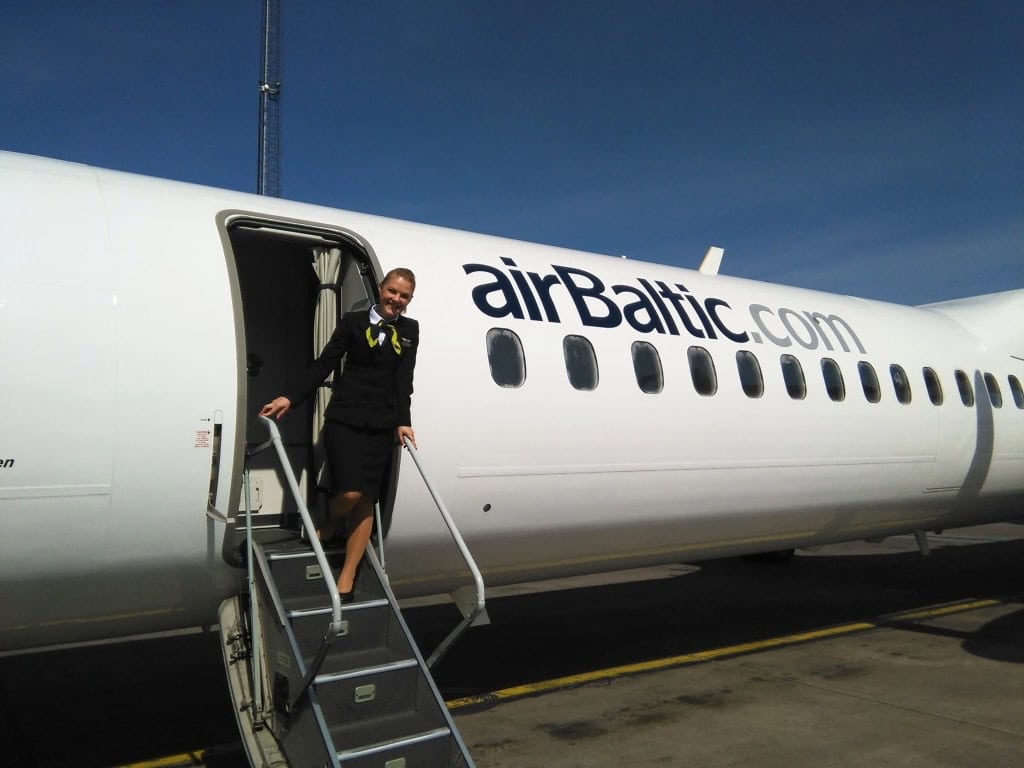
<point>999,640</point>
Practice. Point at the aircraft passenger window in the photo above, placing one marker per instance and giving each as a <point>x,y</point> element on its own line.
<point>833,379</point>
<point>994,393</point>
<point>900,383</point>
<point>793,375</point>
<point>963,383</point>
<point>931,382</point>
<point>869,381</point>
<point>580,362</point>
<point>505,355</point>
<point>702,371</point>
<point>647,367</point>
<point>1018,392</point>
<point>750,373</point>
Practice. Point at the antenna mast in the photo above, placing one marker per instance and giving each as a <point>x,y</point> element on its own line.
<point>268,180</point>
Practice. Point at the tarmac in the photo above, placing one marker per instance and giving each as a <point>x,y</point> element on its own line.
<point>849,655</point>
<point>912,694</point>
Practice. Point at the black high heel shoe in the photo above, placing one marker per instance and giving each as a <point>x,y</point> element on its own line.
<point>348,597</point>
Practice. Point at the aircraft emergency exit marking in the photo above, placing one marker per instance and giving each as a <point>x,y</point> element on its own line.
<point>650,306</point>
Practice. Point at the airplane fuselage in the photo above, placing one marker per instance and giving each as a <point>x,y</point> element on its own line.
<point>577,412</point>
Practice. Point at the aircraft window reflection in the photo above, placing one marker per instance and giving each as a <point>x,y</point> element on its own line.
<point>580,362</point>
<point>933,385</point>
<point>1018,392</point>
<point>702,371</point>
<point>505,356</point>
<point>900,383</point>
<point>833,379</point>
<point>647,367</point>
<point>793,375</point>
<point>994,393</point>
<point>750,373</point>
<point>869,381</point>
<point>963,383</point>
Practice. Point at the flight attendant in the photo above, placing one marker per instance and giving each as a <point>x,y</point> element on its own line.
<point>369,408</point>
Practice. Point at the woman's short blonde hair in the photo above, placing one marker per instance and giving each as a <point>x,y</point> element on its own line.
<point>402,272</point>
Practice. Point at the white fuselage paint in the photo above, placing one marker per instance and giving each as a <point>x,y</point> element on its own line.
<point>122,346</point>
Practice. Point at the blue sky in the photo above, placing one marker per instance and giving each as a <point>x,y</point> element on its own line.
<point>870,148</point>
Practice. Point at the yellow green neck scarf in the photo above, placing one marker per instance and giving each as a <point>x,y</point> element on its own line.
<point>373,331</point>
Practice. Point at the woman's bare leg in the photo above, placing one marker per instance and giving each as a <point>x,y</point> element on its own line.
<point>360,526</point>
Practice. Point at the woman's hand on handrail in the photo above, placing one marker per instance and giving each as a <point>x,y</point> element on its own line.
<point>404,432</point>
<point>276,408</point>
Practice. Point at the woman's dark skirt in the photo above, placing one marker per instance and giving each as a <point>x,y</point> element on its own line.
<point>357,457</point>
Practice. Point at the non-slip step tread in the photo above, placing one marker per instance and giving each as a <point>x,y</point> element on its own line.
<point>396,744</point>
<point>280,541</point>
<point>326,678</point>
<point>323,610</point>
<point>312,602</point>
<point>294,549</point>
<point>311,605</point>
<point>339,661</point>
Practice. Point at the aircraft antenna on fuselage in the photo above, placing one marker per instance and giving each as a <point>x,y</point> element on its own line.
<point>712,261</point>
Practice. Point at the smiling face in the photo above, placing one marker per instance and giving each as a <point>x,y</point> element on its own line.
<point>395,295</point>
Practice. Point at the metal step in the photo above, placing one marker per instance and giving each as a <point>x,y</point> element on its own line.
<point>365,626</point>
<point>297,575</point>
<point>264,521</point>
<point>366,694</point>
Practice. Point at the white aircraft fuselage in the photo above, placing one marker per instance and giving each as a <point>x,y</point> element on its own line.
<point>577,412</point>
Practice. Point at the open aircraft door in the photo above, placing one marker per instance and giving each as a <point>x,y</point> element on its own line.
<point>294,280</point>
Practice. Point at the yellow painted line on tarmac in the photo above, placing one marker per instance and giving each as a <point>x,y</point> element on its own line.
<point>943,610</point>
<point>171,761</point>
<point>571,681</point>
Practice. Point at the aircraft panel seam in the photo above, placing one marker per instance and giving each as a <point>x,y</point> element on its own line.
<point>59,491</point>
<point>690,466</point>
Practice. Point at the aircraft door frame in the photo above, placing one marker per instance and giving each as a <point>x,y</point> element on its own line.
<point>268,255</point>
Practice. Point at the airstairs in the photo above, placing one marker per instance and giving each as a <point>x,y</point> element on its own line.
<point>318,684</point>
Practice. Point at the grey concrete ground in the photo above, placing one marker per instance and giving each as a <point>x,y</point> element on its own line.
<point>942,691</point>
<point>917,695</point>
<point>910,690</point>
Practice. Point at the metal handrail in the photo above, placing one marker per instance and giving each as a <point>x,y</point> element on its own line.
<point>478,579</point>
<point>325,569</point>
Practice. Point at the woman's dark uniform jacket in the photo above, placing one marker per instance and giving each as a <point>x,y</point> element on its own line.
<point>375,389</point>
